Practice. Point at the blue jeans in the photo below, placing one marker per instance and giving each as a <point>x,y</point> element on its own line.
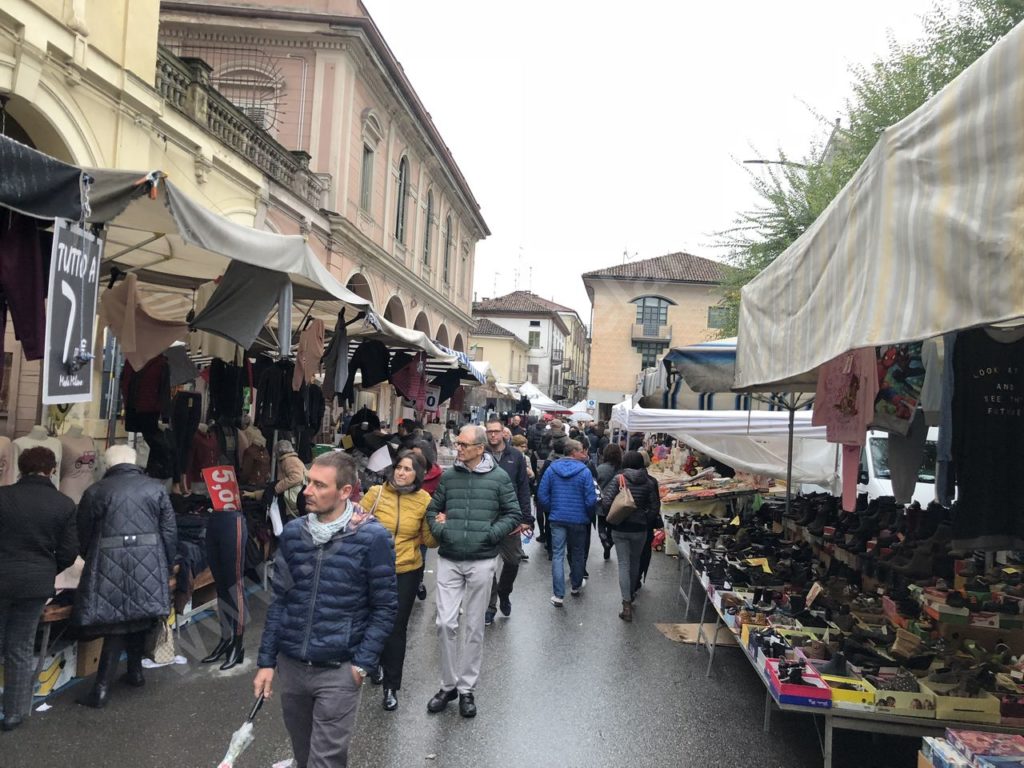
<point>575,535</point>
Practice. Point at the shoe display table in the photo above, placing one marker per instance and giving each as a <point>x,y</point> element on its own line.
<point>833,718</point>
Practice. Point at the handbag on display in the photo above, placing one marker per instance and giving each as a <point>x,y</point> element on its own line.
<point>622,505</point>
<point>160,643</point>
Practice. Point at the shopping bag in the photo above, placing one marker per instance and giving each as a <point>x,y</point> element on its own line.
<point>622,505</point>
<point>275,517</point>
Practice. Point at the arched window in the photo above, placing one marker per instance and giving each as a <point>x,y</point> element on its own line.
<point>426,229</point>
<point>651,312</point>
<point>447,248</point>
<point>403,195</point>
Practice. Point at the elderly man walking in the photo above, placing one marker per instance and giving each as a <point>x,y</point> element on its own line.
<point>473,509</point>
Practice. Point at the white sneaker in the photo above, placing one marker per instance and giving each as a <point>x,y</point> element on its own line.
<point>556,601</point>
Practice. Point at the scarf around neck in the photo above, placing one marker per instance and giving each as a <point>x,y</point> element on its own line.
<point>324,532</point>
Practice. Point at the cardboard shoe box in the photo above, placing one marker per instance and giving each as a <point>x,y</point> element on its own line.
<point>980,709</point>
<point>906,704</point>
<point>851,693</point>
<point>814,692</point>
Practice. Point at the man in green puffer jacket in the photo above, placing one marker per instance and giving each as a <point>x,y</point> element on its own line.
<point>474,507</point>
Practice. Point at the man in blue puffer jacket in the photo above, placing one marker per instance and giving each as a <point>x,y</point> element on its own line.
<point>335,601</point>
<point>567,489</point>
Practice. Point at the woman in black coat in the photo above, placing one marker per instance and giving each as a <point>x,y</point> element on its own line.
<point>611,463</point>
<point>37,541</point>
<point>630,535</point>
<point>129,537</point>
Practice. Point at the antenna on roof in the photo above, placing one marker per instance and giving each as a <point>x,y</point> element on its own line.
<point>529,286</point>
<point>496,276</point>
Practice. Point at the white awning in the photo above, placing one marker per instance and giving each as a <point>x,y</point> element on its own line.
<point>637,419</point>
<point>925,238</point>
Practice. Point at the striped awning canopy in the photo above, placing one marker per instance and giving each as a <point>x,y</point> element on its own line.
<point>927,237</point>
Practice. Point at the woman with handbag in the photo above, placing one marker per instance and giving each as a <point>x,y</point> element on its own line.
<point>630,502</point>
<point>400,505</point>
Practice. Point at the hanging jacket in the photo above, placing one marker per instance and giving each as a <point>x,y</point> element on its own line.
<point>371,358</point>
<point>146,394</point>
<point>645,494</point>
<point>274,396</point>
<point>163,455</point>
<point>567,490</point>
<point>335,360</point>
<point>335,602</point>
<point>481,507</point>
<point>128,538</point>
<point>404,516</point>
<point>203,453</point>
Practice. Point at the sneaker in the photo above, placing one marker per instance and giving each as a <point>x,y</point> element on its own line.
<point>421,593</point>
<point>557,601</point>
<point>505,604</point>
<point>575,592</point>
<point>489,617</point>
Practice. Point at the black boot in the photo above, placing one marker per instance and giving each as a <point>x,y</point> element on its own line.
<point>236,653</point>
<point>99,695</point>
<point>134,645</point>
<point>219,651</point>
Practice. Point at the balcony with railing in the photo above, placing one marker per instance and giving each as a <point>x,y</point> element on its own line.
<point>185,85</point>
<point>556,357</point>
<point>652,332</point>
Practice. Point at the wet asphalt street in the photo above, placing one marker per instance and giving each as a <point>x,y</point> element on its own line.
<point>572,687</point>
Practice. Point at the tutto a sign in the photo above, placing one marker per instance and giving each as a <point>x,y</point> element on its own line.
<point>223,488</point>
<point>71,314</point>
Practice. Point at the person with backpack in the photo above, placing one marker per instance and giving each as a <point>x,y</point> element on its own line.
<point>611,464</point>
<point>630,533</point>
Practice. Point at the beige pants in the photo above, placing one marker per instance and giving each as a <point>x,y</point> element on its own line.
<point>465,584</point>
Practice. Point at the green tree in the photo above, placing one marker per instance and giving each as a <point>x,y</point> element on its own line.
<point>793,194</point>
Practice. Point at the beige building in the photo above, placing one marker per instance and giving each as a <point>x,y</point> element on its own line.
<point>393,216</point>
<point>576,363</point>
<point>639,310</point>
<point>80,81</point>
<point>506,353</point>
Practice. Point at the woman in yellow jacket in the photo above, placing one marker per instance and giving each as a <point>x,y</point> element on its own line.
<point>400,505</point>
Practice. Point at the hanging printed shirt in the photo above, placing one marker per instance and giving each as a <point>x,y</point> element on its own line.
<point>844,401</point>
<point>900,379</point>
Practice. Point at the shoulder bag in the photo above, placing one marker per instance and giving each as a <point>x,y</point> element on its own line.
<point>622,505</point>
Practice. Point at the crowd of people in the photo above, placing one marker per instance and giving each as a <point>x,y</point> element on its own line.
<point>349,564</point>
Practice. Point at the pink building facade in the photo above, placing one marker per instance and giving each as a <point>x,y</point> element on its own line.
<point>392,216</point>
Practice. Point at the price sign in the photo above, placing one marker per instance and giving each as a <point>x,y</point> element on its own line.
<point>432,399</point>
<point>223,487</point>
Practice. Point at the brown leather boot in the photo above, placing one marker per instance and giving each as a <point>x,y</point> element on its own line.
<point>627,611</point>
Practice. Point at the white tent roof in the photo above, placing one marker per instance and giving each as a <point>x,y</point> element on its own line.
<point>924,239</point>
<point>639,419</point>
<point>814,460</point>
<point>539,400</point>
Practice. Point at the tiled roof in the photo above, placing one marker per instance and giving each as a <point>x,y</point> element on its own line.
<point>678,267</point>
<point>485,327</point>
<point>519,301</point>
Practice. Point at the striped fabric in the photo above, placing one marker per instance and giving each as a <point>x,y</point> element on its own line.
<point>926,237</point>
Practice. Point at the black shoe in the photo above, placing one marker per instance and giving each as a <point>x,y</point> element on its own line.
<point>99,695</point>
<point>219,651</point>
<point>377,676</point>
<point>489,617</point>
<point>135,644</point>
<point>467,707</point>
<point>390,699</point>
<point>441,700</point>
<point>96,698</point>
<point>236,654</point>
<point>524,558</point>
<point>11,722</point>
<point>607,554</point>
<point>421,593</point>
<point>505,604</point>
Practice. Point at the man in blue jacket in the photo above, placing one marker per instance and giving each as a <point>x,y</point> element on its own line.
<point>335,601</point>
<point>567,490</point>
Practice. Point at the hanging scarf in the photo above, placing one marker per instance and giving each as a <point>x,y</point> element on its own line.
<point>324,532</point>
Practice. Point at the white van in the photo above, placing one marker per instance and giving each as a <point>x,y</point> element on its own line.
<point>874,477</point>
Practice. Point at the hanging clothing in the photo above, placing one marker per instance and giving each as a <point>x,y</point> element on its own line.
<point>988,439</point>
<point>22,283</point>
<point>932,358</point>
<point>146,394</point>
<point>371,358</point>
<point>310,350</point>
<point>900,378</point>
<point>945,477</point>
<point>79,465</point>
<point>7,465</point>
<point>411,381</point>
<point>906,455</point>
<point>335,360</point>
<point>458,398</point>
<point>844,401</point>
<point>142,336</point>
<point>236,308</point>
<point>273,396</point>
<point>182,370</point>
<point>228,439</point>
<point>203,454</point>
<point>186,413</point>
<point>210,344</point>
<point>226,388</point>
<point>255,466</point>
<point>162,462</point>
<point>447,382</point>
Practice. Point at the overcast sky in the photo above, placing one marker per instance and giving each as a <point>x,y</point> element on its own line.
<point>587,128</point>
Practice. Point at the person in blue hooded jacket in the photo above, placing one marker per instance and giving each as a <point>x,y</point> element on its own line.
<point>567,490</point>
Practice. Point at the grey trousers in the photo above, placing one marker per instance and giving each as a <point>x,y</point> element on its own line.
<point>319,707</point>
<point>18,622</point>
<point>465,584</point>
<point>629,547</point>
<point>510,554</point>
